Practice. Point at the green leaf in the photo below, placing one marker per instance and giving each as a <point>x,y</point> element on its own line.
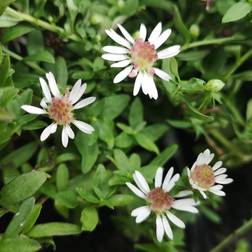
<point>114,105</point>
<point>4,4</point>
<point>136,113</point>
<point>20,244</point>
<point>15,32</point>
<point>236,12</point>
<point>6,95</point>
<point>89,219</point>
<point>19,220</point>
<point>44,56</point>
<point>121,160</point>
<point>130,7</point>
<point>119,200</point>
<point>62,177</point>
<point>22,187</point>
<point>54,229</point>
<point>61,72</point>
<point>146,142</point>
<point>150,169</point>
<point>21,155</point>
<point>89,153</point>
<point>4,70</point>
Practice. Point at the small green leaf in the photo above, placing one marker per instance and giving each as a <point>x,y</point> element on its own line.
<point>22,187</point>
<point>20,244</point>
<point>236,12</point>
<point>54,229</point>
<point>15,32</point>
<point>6,95</point>
<point>150,169</point>
<point>44,56</point>
<point>89,219</point>
<point>146,142</point>
<point>62,177</point>
<point>4,4</point>
<point>19,220</point>
<point>136,113</point>
<point>120,200</point>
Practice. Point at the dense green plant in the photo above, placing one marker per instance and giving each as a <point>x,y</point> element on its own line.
<point>205,99</point>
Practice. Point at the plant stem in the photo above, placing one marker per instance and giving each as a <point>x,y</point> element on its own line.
<point>20,58</point>
<point>45,25</point>
<point>238,64</point>
<point>215,41</point>
<point>233,237</point>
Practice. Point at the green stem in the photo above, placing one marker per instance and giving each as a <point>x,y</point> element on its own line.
<point>45,25</point>
<point>238,64</point>
<point>226,143</point>
<point>233,237</point>
<point>20,58</point>
<point>215,41</point>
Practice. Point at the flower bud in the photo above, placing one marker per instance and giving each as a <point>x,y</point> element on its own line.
<point>214,85</point>
<point>194,30</point>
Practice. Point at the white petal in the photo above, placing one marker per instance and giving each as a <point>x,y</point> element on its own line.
<point>117,38</point>
<point>143,32</point>
<point>159,177</point>
<point>183,194</point>
<point>46,133</point>
<point>75,90</point>
<point>114,57</point>
<point>172,182</point>
<point>45,90</point>
<point>125,33</point>
<point>123,74</point>
<point>162,38</point>
<point>141,182</point>
<point>217,165</point>
<point>185,205</point>
<point>43,103</point>
<point>79,94</point>
<point>52,84</point>
<point>135,190</point>
<point>115,49</point>
<point>169,52</point>
<point>161,74</point>
<point>33,110</point>
<point>220,171</point>
<point>175,220</point>
<point>54,128</point>
<point>85,102</point>
<point>155,33</point>
<point>216,187</point>
<point>153,93</point>
<point>64,137</point>
<point>137,84</point>
<point>220,177</point>
<point>190,209</point>
<point>69,132</point>
<point>167,177</point>
<point>167,227</point>
<point>122,63</point>
<point>203,194</point>
<point>217,192</point>
<point>159,228</point>
<point>84,127</point>
<point>224,181</point>
<point>141,213</point>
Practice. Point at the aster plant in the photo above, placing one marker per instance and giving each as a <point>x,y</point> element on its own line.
<point>138,57</point>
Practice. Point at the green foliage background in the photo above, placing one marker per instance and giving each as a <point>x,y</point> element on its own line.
<point>66,37</point>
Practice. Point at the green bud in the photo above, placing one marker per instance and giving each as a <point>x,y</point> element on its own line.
<point>214,85</point>
<point>194,30</point>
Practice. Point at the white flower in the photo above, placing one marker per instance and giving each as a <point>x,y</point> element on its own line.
<point>160,201</point>
<point>204,177</point>
<point>60,108</point>
<point>137,57</point>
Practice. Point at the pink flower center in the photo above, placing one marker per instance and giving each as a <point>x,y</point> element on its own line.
<point>61,110</point>
<point>203,176</point>
<point>143,55</point>
<point>159,200</point>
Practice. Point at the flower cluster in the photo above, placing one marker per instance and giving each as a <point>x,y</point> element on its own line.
<point>162,202</point>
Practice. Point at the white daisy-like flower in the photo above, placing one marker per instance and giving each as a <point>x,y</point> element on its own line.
<point>206,178</point>
<point>137,57</point>
<point>161,202</point>
<point>60,108</point>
